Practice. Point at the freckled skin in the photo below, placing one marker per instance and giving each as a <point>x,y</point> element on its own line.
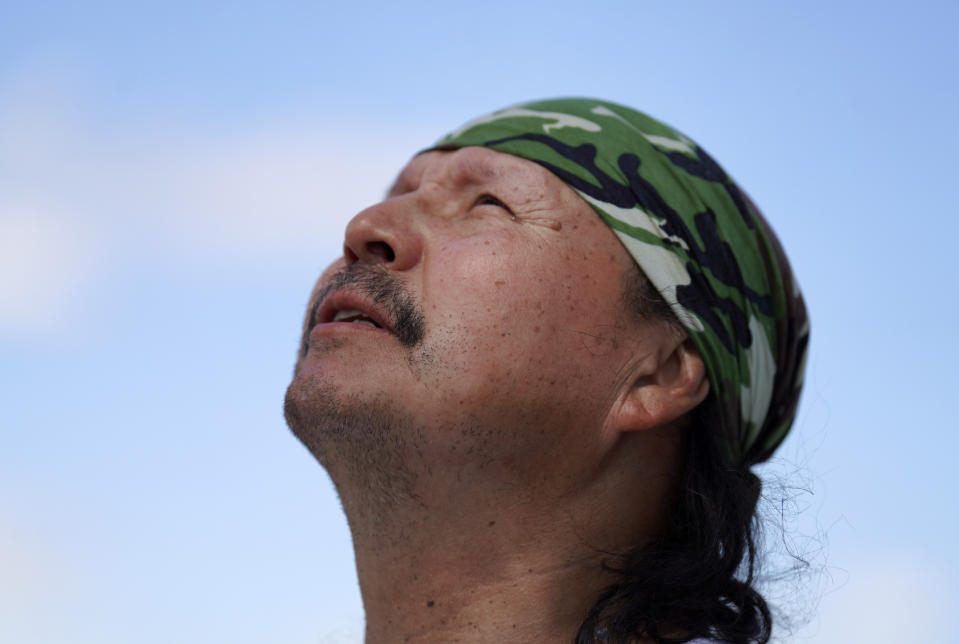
<point>498,417</point>
<point>475,269</point>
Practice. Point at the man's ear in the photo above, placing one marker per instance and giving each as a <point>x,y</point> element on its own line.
<point>669,387</point>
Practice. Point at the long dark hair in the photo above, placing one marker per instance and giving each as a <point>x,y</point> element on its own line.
<point>696,580</point>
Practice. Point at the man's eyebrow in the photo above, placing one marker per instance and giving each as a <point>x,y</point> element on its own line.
<point>467,169</point>
<point>475,170</point>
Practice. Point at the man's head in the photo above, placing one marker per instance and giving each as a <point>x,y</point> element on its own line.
<point>565,321</point>
<point>526,366</point>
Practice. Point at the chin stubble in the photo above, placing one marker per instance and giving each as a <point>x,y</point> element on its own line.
<point>367,447</point>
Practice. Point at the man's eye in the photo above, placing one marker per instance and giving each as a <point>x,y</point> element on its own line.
<point>490,200</point>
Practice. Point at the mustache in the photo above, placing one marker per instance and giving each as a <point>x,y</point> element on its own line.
<point>387,293</point>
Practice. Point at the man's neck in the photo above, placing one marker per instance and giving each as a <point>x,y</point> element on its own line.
<point>470,563</point>
<point>482,589</point>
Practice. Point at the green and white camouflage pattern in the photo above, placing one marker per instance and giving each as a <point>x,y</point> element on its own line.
<point>698,238</point>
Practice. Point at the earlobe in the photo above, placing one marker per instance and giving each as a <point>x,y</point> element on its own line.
<point>676,384</point>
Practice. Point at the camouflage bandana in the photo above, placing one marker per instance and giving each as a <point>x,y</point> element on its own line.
<point>698,238</point>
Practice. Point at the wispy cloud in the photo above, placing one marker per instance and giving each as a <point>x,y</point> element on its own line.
<point>46,259</point>
<point>84,197</point>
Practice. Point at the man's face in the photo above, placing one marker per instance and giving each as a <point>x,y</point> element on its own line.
<point>506,338</point>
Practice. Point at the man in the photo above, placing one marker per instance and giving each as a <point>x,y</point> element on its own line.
<point>538,377</point>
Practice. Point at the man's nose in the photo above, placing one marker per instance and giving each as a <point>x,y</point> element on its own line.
<point>383,234</point>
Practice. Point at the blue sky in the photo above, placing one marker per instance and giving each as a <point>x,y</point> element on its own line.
<point>173,178</point>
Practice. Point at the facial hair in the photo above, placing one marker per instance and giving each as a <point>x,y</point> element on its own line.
<point>367,446</point>
<point>388,295</point>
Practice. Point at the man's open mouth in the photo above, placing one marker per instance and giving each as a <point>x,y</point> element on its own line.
<point>355,316</point>
<point>372,296</point>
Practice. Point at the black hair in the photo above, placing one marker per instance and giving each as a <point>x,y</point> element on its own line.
<point>697,578</point>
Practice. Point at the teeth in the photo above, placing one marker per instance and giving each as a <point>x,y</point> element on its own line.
<point>355,316</point>
<point>349,313</point>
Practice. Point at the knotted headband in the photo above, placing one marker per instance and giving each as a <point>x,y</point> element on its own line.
<point>698,238</point>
